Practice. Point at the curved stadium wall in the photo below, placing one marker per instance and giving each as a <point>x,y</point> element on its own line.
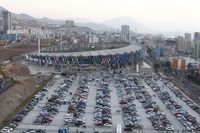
<point>116,56</point>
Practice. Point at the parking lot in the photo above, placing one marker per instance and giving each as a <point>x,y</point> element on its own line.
<point>98,101</point>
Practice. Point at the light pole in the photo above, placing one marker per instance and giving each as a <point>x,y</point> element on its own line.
<point>39,44</point>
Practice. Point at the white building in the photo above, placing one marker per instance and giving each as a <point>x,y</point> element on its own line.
<point>93,39</point>
<point>18,32</point>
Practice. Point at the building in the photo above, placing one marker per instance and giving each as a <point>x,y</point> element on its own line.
<point>169,46</point>
<point>188,36</point>
<point>125,32</point>
<point>8,37</point>
<point>188,41</point>
<point>178,63</point>
<point>196,52</point>
<point>184,43</point>
<point>129,55</point>
<point>196,36</point>
<point>69,23</point>
<point>180,46</point>
<point>199,68</point>
<point>157,52</point>
<point>7,21</point>
<point>181,63</point>
<point>93,39</point>
<point>1,24</point>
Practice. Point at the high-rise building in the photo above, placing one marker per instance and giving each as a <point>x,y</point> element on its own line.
<point>184,43</point>
<point>1,26</point>
<point>196,51</point>
<point>6,20</point>
<point>180,44</point>
<point>125,32</point>
<point>188,41</point>
<point>196,36</point>
<point>69,23</point>
<point>196,44</point>
<point>188,36</point>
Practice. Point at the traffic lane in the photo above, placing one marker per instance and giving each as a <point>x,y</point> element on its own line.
<point>145,122</point>
<point>92,129</point>
<point>116,117</point>
<point>59,119</point>
<point>91,102</point>
<point>55,128</point>
<point>175,123</point>
<point>30,117</point>
<point>49,129</point>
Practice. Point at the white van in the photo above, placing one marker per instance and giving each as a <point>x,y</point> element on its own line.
<point>118,128</point>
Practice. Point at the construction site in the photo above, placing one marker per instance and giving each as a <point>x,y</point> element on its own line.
<point>17,85</point>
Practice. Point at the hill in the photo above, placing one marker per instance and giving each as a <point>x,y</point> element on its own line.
<point>134,25</point>
<point>106,25</point>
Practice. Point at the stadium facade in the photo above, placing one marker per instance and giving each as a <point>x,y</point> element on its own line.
<point>129,54</point>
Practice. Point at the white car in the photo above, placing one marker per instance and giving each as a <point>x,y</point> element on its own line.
<point>107,125</point>
<point>69,116</point>
<point>82,120</point>
<point>6,130</point>
<point>68,120</point>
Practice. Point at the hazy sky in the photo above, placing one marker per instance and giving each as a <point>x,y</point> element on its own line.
<point>155,14</point>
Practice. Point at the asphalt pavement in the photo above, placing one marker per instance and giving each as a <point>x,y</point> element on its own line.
<point>58,121</point>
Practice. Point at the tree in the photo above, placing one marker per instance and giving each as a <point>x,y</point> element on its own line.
<point>156,66</point>
<point>149,50</point>
<point>168,65</point>
<point>192,73</point>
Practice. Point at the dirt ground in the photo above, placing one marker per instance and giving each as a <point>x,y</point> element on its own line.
<point>12,50</point>
<point>25,86</point>
<point>13,97</point>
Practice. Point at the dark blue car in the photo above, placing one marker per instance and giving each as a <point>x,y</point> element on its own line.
<point>63,130</point>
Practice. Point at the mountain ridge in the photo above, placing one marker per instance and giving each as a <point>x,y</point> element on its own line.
<point>109,24</point>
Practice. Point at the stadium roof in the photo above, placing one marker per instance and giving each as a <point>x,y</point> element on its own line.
<point>127,49</point>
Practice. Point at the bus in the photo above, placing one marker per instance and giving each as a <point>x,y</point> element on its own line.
<point>118,128</point>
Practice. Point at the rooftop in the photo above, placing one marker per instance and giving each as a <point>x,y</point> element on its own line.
<point>127,49</point>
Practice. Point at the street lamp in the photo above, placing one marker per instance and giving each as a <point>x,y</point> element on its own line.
<point>38,43</point>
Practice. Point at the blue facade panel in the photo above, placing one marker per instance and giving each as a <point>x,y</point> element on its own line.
<point>8,37</point>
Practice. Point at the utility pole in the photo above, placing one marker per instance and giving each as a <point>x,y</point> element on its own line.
<point>61,38</point>
<point>38,44</point>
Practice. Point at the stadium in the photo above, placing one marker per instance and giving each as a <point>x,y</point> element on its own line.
<point>131,54</point>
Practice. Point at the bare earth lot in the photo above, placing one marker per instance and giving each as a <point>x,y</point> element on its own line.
<point>15,95</point>
<point>7,53</point>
